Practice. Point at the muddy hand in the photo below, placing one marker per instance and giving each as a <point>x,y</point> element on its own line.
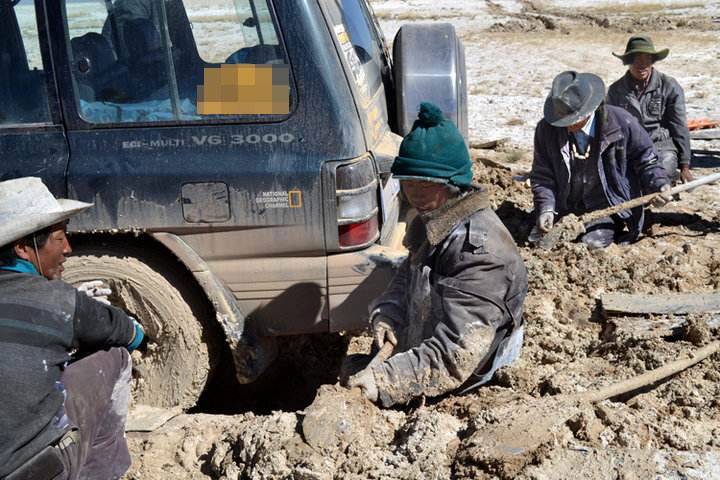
<point>545,221</point>
<point>664,198</point>
<point>365,380</point>
<point>383,330</point>
<point>96,289</point>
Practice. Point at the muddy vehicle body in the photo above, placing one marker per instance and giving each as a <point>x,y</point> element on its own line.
<point>226,228</point>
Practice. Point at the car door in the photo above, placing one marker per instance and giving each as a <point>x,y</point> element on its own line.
<point>32,140</point>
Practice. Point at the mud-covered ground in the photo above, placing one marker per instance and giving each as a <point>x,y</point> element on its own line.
<point>669,430</point>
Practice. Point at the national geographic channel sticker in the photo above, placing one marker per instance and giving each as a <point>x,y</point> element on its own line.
<point>280,199</point>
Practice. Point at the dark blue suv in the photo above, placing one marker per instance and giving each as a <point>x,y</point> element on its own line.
<point>225,228</point>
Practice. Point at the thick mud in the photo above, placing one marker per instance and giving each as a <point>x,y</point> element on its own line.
<point>667,430</point>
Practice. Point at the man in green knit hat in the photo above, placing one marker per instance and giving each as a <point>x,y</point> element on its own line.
<point>454,309</point>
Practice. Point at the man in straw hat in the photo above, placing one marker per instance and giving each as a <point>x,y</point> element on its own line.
<point>589,156</point>
<point>657,101</point>
<point>454,309</point>
<point>58,419</point>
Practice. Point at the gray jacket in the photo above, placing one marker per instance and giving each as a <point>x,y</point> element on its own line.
<point>660,109</point>
<point>454,300</point>
<point>41,321</point>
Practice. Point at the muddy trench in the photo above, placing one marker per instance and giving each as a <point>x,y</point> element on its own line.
<point>669,429</point>
<point>304,363</point>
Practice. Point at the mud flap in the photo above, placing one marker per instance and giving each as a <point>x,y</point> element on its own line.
<point>251,352</point>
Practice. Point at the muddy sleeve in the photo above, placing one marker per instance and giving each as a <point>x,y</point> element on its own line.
<point>675,119</point>
<point>392,302</point>
<point>473,310</point>
<point>542,177</point>
<point>99,326</point>
<point>643,159</point>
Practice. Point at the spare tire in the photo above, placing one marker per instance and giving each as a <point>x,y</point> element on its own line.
<point>429,66</point>
<point>174,369</point>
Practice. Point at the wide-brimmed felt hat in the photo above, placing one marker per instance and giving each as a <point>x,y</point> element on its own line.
<point>641,44</point>
<point>27,206</point>
<point>573,96</point>
<point>433,151</point>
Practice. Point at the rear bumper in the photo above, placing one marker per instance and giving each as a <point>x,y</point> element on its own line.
<point>355,279</point>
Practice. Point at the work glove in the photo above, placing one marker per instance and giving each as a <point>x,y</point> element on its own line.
<point>383,330</point>
<point>138,336</point>
<point>96,289</point>
<point>664,198</point>
<point>545,221</point>
<point>365,380</point>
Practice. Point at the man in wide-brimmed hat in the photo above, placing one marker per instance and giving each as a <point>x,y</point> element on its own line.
<point>454,309</point>
<point>657,101</point>
<point>58,419</point>
<point>589,156</point>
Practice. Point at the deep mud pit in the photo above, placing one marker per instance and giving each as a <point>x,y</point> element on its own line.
<point>668,430</point>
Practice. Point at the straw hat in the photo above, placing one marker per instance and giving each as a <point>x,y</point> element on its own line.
<point>26,206</point>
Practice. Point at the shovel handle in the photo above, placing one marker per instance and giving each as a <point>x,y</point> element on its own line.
<point>644,200</point>
<point>384,353</point>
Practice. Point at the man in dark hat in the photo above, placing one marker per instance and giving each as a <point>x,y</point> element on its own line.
<point>657,101</point>
<point>58,419</point>
<point>454,309</point>
<point>589,156</point>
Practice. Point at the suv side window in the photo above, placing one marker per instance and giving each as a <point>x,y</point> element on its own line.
<point>359,44</point>
<point>23,82</point>
<point>145,60</point>
<point>235,31</point>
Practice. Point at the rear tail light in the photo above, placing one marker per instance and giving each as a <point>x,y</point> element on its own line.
<point>357,208</point>
<point>358,233</point>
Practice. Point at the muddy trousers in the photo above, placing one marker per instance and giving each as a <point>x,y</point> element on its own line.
<point>98,391</point>
<point>669,161</point>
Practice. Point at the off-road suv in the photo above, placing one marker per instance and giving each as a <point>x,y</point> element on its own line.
<point>281,219</point>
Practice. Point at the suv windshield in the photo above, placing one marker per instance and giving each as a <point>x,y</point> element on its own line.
<point>148,60</point>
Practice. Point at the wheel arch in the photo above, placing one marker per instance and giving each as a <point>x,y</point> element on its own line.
<point>251,353</point>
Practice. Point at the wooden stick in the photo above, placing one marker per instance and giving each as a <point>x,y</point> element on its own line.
<point>647,378</point>
<point>645,199</point>
<point>561,229</point>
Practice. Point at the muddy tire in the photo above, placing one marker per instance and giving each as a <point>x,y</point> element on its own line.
<point>174,369</point>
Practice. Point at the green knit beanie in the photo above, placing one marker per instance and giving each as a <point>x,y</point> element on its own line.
<point>434,151</point>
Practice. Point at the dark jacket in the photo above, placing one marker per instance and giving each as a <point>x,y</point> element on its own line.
<point>626,161</point>
<point>456,297</point>
<point>41,321</point>
<point>660,109</point>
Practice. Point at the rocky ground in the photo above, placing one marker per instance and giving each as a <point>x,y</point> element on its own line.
<point>670,430</point>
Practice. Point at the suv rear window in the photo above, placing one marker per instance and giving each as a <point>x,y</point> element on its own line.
<point>138,61</point>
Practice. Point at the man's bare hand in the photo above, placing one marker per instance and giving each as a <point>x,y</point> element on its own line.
<point>685,174</point>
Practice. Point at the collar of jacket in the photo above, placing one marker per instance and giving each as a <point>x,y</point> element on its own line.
<point>653,82</point>
<point>607,131</point>
<point>440,222</point>
<point>21,266</point>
